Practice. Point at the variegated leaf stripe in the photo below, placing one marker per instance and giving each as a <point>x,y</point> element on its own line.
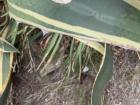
<point>33,18</point>
<point>97,46</point>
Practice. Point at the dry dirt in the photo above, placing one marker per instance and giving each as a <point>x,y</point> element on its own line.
<point>124,88</point>
<point>30,89</point>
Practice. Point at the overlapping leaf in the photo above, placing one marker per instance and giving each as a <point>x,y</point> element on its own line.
<point>114,21</point>
<point>104,75</point>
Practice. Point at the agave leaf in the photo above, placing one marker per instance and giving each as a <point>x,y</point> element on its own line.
<point>4,96</point>
<point>6,59</point>
<point>95,45</point>
<point>5,46</point>
<point>102,78</point>
<point>112,21</point>
<point>14,30</point>
<point>134,3</point>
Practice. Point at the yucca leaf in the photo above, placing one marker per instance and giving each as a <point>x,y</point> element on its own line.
<point>5,46</point>
<point>134,3</point>
<point>4,96</point>
<point>104,75</point>
<point>112,21</point>
<point>6,59</point>
<point>95,45</point>
<point>14,31</point>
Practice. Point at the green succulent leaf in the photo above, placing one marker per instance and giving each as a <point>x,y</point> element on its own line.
<point>6,59</point>
<point>104,75</point>
<point>113,21</point>
<point>134,3</point>
<point>7,51</point>
<point>5,46</point>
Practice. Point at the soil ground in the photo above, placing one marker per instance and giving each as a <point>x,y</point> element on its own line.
<point>30,89</point>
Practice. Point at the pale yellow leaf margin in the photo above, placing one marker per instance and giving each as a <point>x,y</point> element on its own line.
<point>134,3</point>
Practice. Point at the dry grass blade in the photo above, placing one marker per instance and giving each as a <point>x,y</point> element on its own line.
<point>138,55</point>
<point>95,45</point>
<point>49,49</point>
<point>56,47</point>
